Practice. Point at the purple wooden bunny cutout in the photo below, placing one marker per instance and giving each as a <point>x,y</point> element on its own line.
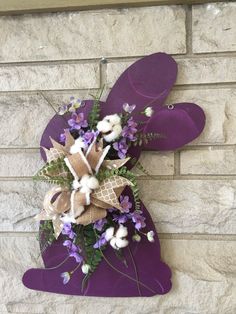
<point>146,82</point>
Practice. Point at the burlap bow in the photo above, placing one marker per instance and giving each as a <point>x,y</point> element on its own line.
<point>64,205</point>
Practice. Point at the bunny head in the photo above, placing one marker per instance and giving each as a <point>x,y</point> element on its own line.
<point>145,85</point>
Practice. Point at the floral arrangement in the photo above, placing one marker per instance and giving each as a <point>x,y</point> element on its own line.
<point>89,206</point>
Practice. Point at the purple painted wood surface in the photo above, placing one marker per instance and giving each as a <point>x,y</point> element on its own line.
<point>146,82</point>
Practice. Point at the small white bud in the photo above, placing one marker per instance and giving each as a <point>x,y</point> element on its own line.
<point>136,237</point>
<point>85,268</point>
<point>148,111</point>
<point>150,236</point>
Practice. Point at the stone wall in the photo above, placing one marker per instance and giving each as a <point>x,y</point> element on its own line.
<point>44,59</point>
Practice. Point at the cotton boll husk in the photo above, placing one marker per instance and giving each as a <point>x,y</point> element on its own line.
<point>104,126</point>
<point>120,243</point>
<point>92,183</point>
<point>113,243</point>
<point>122,232</point>
<point>114,119</point>
<point>109,233</point>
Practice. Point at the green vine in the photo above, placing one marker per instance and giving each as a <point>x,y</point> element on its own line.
<point>145,138</point>
<point>94,114</point>
<point>52,173</point>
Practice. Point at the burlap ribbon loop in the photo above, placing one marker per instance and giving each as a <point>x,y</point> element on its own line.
<point>62,205</point>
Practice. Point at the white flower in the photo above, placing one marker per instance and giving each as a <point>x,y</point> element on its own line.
<point>148,111</point>
<point>136,237</point>
<point>117,240</point>
<point>76,147</point>
<point>85,268</point>
<point>150,236</point>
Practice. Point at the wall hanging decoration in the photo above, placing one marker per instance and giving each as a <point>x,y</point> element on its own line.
<point>96,236</point>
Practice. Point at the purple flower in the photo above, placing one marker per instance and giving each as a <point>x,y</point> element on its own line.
<point>99,224</point>
<point>89,136</point>
<point>128,108</point>
<point>77,121</point>
<point>77,257</point>
<point>74,250</point>
<point>67,230</point>
<point>121,147</point>
<point>66,277</point>
<point>125,204</point>
<point>138,219</point>
<point>130,130</point>
<point>100,242</point>
<point>63,109</point>
<point>121,219</point>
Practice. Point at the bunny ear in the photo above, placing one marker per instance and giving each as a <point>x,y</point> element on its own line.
<point>178,124</point>
<point>146,81</point>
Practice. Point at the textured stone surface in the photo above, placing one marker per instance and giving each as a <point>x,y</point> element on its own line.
<point>218,105</point>
<point>23,118</point>
<point>156,163</point>
<point>20,201</point>
<point>16,163</point>
<point>206,70</point>
<point>195,206</point>
<point>202,271</point>
<point>48,77</point>
<point>214,27</point>
<point>211,161</point>
<point>125,32</point>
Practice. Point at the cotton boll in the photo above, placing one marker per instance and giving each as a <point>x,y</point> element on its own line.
<point>76,185</point>
<point>84,180</point>
<point>109,233</point>
<point>76,147</point>
<point>117,129</point>
<point>122,232</point>
<point>104,126</point>
<point>113,243</point>
<point>85,189</point>
<point>93,183</point>
<point>113,119</point>
<point>120,243</point>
